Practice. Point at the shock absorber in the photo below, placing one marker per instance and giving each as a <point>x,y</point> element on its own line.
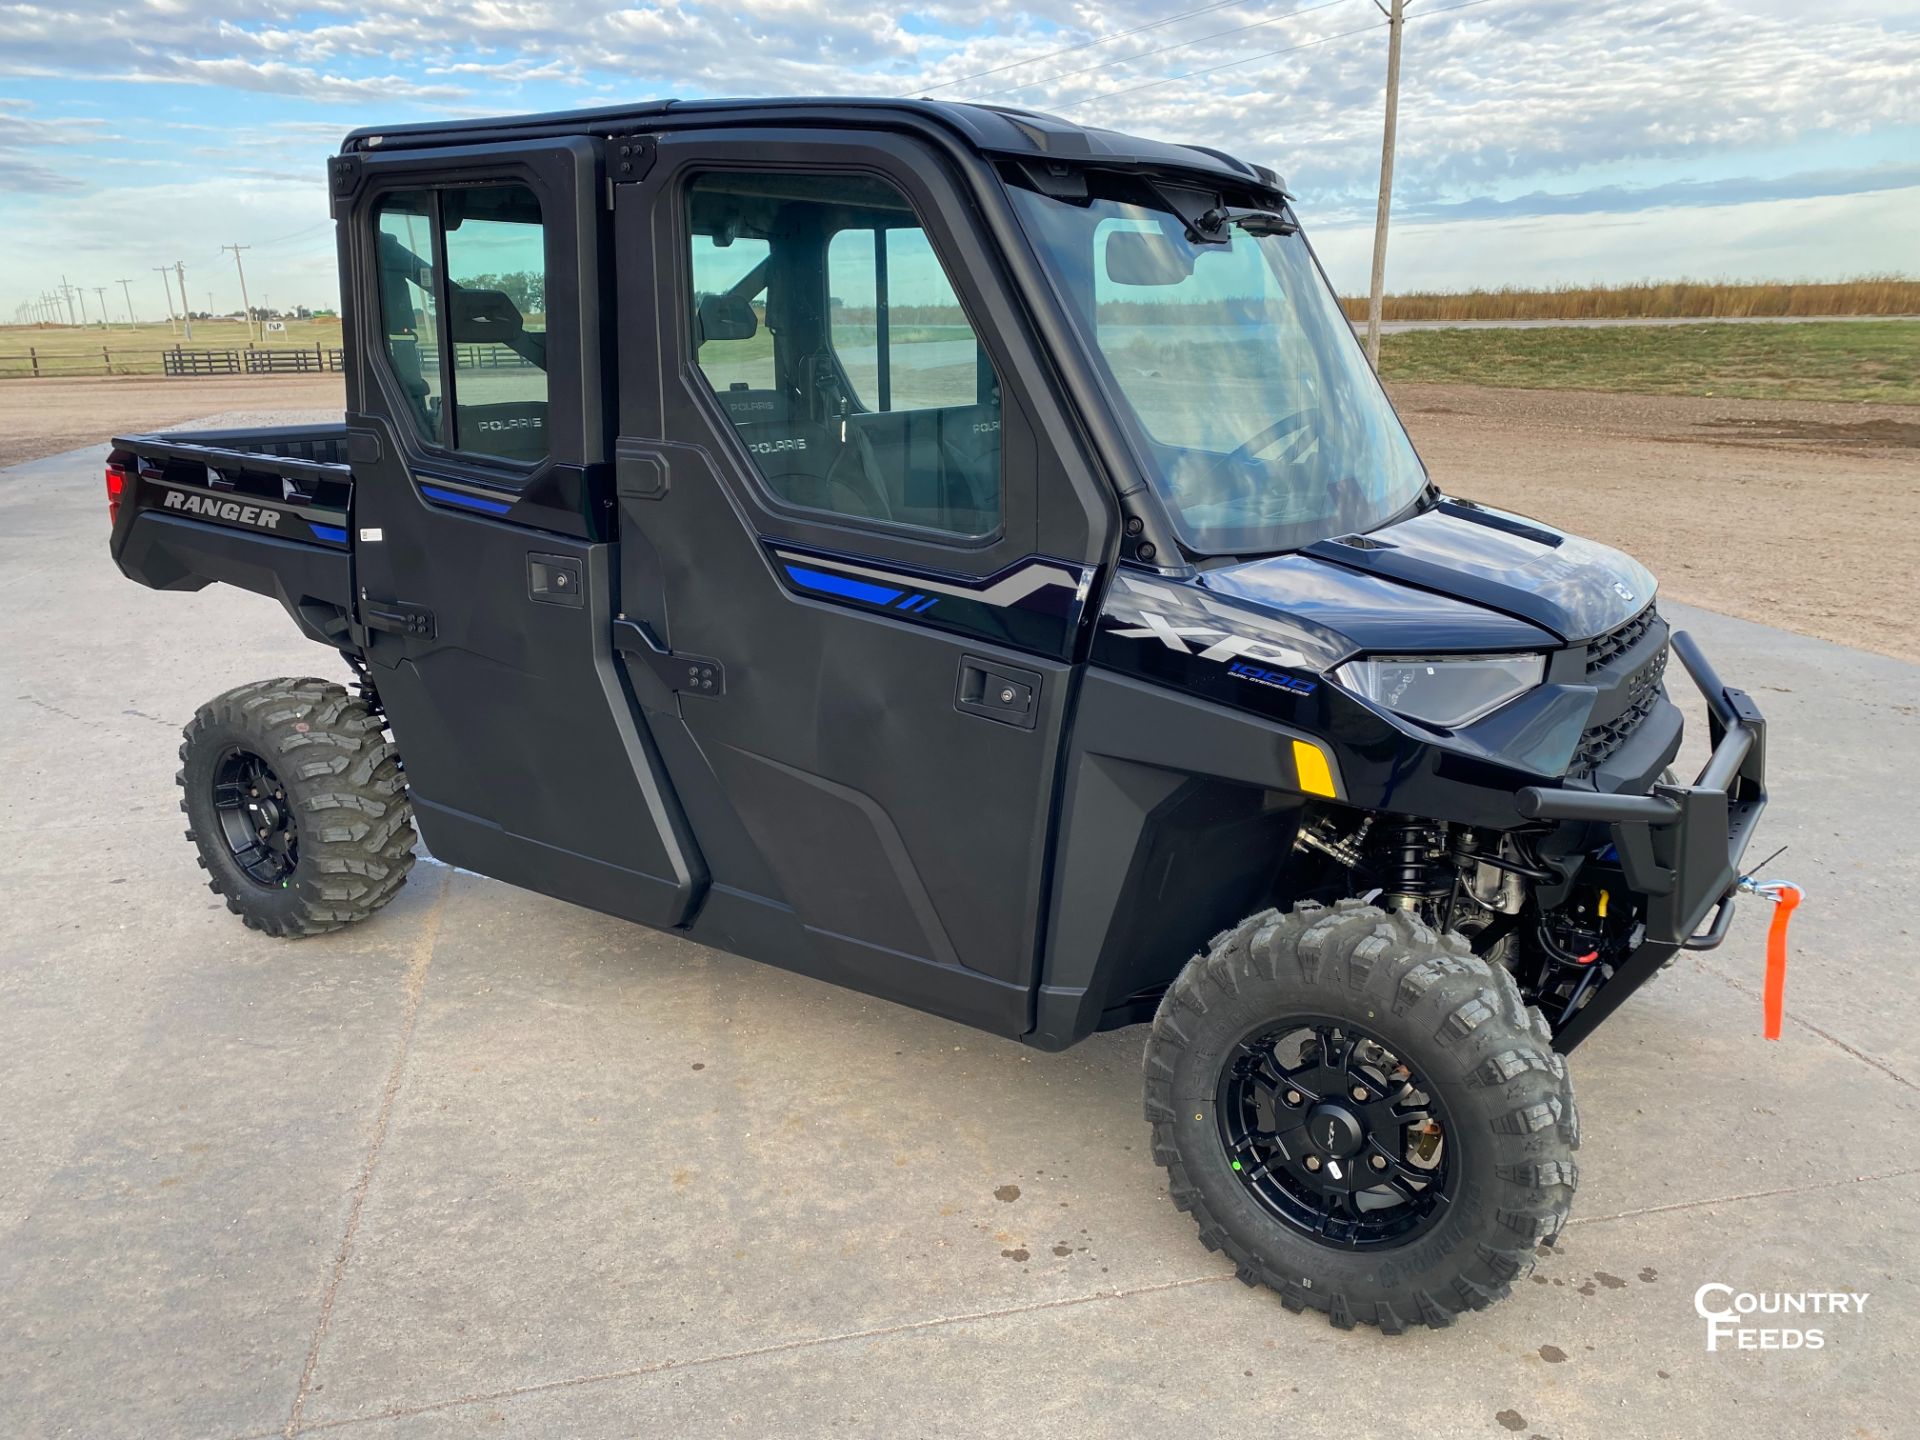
<point>1410,846</point>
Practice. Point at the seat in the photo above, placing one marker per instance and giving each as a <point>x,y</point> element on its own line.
<point>811,465</point>
<point>747,406</point>
<point>938,467</point>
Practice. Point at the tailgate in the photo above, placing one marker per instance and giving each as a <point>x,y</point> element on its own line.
<point>267,511</point>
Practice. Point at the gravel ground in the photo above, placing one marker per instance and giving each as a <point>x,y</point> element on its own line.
<point>1794,515</point>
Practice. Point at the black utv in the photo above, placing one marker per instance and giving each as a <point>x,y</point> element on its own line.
<point>966,557</point>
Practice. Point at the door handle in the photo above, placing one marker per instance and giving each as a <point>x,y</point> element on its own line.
<point>999,692</point>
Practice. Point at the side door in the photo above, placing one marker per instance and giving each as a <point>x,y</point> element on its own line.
<point>858,543</point>
<point>484,555</point>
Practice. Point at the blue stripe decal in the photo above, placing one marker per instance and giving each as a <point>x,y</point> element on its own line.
<point>841,585</point>
<point>926,605</point>
<point>329,532</point>
<point>471,502</point>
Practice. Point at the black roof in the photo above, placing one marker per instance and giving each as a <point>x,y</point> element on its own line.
<point>992,129</point>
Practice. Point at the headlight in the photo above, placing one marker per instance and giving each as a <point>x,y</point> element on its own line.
<point>1447,692</point>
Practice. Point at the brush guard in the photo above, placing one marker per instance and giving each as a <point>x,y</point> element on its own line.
<point>1680,847</point>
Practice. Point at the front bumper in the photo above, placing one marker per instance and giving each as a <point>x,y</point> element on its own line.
<point>1680,847</point>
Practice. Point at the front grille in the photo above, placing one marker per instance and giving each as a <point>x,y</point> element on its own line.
<point>1599,742</point>
<point>1604,650</point>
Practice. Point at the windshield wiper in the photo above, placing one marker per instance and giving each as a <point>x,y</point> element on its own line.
<point>1212,226</point>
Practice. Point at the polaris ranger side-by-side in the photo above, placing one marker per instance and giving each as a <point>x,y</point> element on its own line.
<point>966,557</point>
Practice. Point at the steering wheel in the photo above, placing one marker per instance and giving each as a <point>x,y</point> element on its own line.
<point>1293,424</point>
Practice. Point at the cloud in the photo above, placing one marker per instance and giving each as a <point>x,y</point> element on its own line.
<point>1627,199</point>
<point>30,178</point>
<point>1821,237</point>
<point>1512,111</point>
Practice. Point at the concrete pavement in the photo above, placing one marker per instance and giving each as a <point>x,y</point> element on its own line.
<point>490,1164</point>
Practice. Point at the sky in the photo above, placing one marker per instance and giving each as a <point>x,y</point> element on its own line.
<point>1541,141</point>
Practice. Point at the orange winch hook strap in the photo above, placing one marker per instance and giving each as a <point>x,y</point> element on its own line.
<point>1785,899</point>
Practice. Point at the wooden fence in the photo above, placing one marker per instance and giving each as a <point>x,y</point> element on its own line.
<point>38,364</point>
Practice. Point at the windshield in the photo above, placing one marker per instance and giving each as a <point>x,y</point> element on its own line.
<point>1263,426</point>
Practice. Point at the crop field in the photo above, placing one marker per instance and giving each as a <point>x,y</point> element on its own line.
<point>1655,300</point>
<point>1864,361</point>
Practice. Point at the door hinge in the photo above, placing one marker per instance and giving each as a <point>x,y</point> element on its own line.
<point>399,616</point>
<point>678,671</point>
<point>630,157</point>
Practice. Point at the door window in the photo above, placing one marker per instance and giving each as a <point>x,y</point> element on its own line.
<point>731,273</point>
<point>497,299</point>
<point>831,334</point>
<point>469,355</point>
<point>409,307</point>
<point>898,327</point>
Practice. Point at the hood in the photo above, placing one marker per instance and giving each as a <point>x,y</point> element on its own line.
<point>1461,552</point>
<point>1350,610</point>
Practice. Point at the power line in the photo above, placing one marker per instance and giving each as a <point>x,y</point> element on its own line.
<point>1263,55</point>
<point>1164,49</point>
<point>1073,49</point>
<point>298,234</point>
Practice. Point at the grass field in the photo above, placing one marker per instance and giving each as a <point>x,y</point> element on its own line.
<point>1660,300</point>
<point>1869,360</point>
<point>1862,361</point>
<point>124,350</point>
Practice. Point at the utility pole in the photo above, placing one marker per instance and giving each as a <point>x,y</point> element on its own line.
<point>66,292</point>
<point>81,291</point>
<point>169,289</point>
<point>1396,21</point>
<point>245,304</point>
<point>101,291</point>
<point>186,305</point>
<point>132,321</point>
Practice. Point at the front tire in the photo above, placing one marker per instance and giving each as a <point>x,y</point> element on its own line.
<point>1297,1076</point>
<point>295,799</point>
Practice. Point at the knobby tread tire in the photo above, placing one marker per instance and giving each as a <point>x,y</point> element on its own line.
<point>344,783</point>
<point>1463,1026</point>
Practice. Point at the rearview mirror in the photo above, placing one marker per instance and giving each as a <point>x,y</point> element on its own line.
<point>725,317</point>
<point>1142,257</point>
<point>482,317</point>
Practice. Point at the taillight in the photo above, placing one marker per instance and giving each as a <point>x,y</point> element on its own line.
<point>116,483</point>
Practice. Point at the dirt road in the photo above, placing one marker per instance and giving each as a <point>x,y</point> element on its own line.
<point>44,417</point>
<point>1795,515</point>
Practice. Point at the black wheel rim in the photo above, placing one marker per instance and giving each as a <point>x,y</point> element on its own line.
<point>1334,1134</point>
<point>256,819</point>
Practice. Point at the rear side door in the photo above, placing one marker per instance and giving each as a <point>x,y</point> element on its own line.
<point>858,541</point>
<point>484,554</point>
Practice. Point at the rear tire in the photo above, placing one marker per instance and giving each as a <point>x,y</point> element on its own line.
<point>295,799</point>
<point>1458,1037</point>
